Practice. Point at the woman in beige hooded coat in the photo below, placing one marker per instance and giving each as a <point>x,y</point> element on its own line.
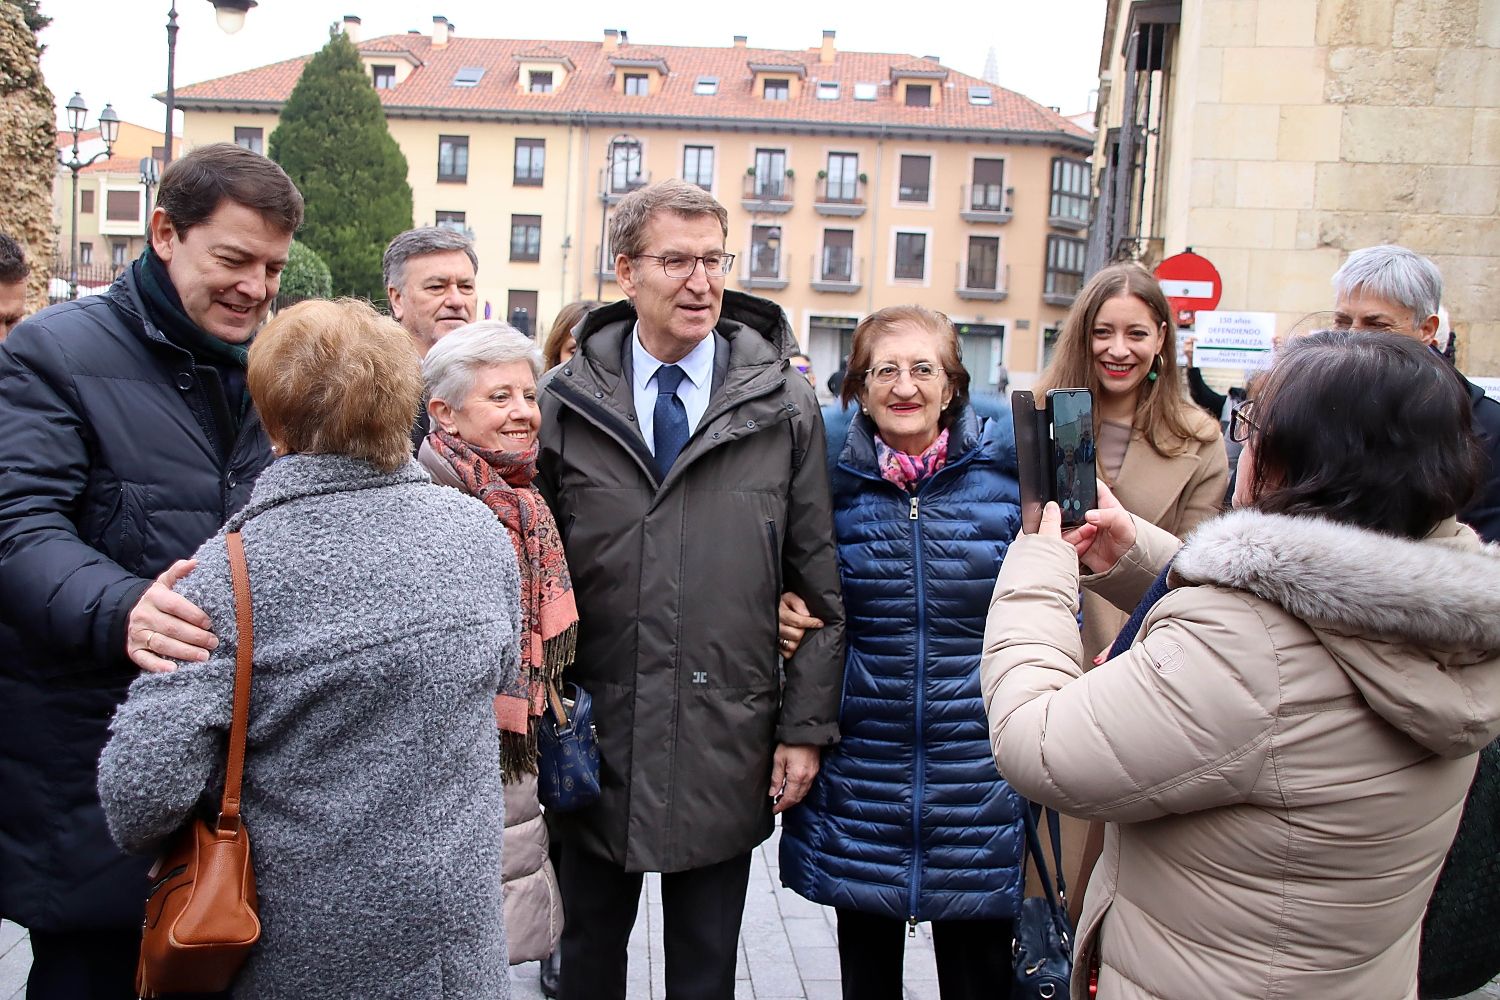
<point>1282,754</point>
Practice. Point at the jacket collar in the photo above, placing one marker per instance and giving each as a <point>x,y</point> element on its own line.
<point>964,435</point>
<point>295,477</point>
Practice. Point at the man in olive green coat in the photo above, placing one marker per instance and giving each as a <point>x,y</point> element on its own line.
<point>684,460</point>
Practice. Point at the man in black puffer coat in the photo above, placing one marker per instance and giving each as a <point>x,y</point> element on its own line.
<point>126,439</point>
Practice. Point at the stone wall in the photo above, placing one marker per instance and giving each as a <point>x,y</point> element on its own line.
<point>1314,127</point>
<point>27,149</point>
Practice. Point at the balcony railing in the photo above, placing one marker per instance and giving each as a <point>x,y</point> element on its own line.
<point>986,203</point>
<point>983,283</point>
<point>769,194</point>
<point>840,197</point>
<point>837,273</point>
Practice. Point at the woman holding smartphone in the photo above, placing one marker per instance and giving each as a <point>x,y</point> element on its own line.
<point>908,820</point>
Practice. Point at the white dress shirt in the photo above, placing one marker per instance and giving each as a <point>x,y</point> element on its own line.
<point>694,390</point>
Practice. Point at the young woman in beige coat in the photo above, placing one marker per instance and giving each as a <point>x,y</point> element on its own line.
<point>1282,755</point>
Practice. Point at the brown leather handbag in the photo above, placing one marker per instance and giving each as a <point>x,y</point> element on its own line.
<point>201,919</point>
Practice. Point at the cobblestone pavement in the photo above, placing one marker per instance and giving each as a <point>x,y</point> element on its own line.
<point>787,949</point>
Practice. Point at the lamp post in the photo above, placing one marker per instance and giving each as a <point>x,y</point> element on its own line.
<point>632,148</point>
<point>231,17</point>
<point>109,131</point>
<point>150,177</point>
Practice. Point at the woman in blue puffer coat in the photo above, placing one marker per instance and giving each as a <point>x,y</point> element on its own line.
<point>908,819</point>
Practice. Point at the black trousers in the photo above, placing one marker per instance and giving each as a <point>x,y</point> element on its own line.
<point>973,957</point>
<point>701,911</point>
<point>83,965</point>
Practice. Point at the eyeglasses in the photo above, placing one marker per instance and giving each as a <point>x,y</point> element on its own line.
<point>804,369</point>
<point>922,371</point>
<point>1240,424</point>
<point>681,265</point>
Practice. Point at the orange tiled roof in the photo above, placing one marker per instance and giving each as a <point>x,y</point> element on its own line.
<point>591,87</point>
<point>115,165</point>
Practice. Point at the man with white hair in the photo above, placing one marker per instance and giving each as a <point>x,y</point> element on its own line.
<point>1393,289</point>
<point>429,279</point>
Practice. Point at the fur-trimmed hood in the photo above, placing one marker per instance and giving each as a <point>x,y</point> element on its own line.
<point>1414,624</point>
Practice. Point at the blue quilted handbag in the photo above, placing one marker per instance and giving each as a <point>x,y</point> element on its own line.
<point>1042,953</point>
<point>567,751</point>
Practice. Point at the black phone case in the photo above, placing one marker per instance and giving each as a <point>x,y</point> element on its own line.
<point>1035,464</point>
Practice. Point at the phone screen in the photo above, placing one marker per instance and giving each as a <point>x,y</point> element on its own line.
<point>1072,417</point>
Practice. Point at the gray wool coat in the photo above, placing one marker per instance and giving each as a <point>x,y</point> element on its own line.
<point>385,620</point>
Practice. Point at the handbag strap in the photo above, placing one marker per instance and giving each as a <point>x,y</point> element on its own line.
<point>1034,848</point>
<point>559,710</point>
<point>244,654</point>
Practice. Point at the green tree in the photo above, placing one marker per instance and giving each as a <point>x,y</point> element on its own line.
<point>334,144</point>
<point>28,152</point>
<point>30,10</point>
<point>305,275</point>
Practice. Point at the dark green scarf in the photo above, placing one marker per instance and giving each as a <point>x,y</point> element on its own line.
<point>165,308</point>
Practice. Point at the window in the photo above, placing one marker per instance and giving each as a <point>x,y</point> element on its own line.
<point>911,256</point>
<point>520,311</point>
<point>918,95</point>
<point>117,253</point>
<point>866,91</point>
<point>843,177</point>
<point>838,254</point>
<point>453,158</point>
<point>86,252</point>
<point>468,76</point>
<point>984,263</point>
<point>452,220</point>
<point>916,171</point>
<point>624,167</point>
<point>122,206</point>
<point>698,166</point>
<point>1064,266</point>
<point>828,90</point>
<point>777,90</point>
<point>988,192</point>
<point>981,96</point>
<point>531,161</point>
<point>385,77</point>
<point>1070,191</point>
<point>539,82</point>
<point>765,252</point>
<point>770,173</point>
<point>252,139</point>
<point>86,202</point>
<point>1050,336</point>
<point>707,86</point>
<point>525,237</point>
<point>637,85</point>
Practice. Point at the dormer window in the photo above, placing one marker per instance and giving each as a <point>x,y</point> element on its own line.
<point>637,85</point>
<point>540,82</point>
<point>918,95</point>
<point>385,76</point>
<point>828,90</point>
<point>707,86</point>
<point>777,89</point>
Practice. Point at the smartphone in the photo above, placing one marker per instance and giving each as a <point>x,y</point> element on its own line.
<point>1070,428</point>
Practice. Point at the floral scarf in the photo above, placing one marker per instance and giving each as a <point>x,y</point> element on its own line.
<point>909,471</point>
<point>549,616</point>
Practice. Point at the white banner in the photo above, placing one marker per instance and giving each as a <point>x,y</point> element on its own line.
<point>1234,339</point>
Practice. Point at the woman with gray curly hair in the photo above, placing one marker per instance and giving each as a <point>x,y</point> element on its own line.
<point>482,401</point>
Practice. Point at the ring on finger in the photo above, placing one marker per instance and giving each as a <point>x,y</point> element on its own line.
<point>150,634</point>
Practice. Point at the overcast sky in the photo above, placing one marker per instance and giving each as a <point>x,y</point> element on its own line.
<point>116,50</point>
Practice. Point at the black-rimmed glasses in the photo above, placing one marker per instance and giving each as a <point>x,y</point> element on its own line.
<point>1240,424</point>
<point>681,265</point>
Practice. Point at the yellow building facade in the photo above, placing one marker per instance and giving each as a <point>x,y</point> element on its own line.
<point>853,181</point>
<point>1275,136</point>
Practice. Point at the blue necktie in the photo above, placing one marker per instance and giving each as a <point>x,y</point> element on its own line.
<point>669,423</point>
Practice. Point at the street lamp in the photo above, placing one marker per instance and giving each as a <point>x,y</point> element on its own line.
<point>150,177</point>
<point>631,147</point>
<point>109,131</point>
<point>231,17</point>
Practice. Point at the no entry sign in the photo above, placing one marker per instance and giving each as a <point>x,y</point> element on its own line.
<point>1190,283</point>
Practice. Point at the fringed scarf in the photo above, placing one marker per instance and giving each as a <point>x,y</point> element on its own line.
<point>549,616</point>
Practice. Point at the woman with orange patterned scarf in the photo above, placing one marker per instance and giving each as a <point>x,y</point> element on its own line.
<point>481,387</point>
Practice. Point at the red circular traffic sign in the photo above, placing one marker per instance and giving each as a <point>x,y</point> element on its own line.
<point>1190,283</point>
